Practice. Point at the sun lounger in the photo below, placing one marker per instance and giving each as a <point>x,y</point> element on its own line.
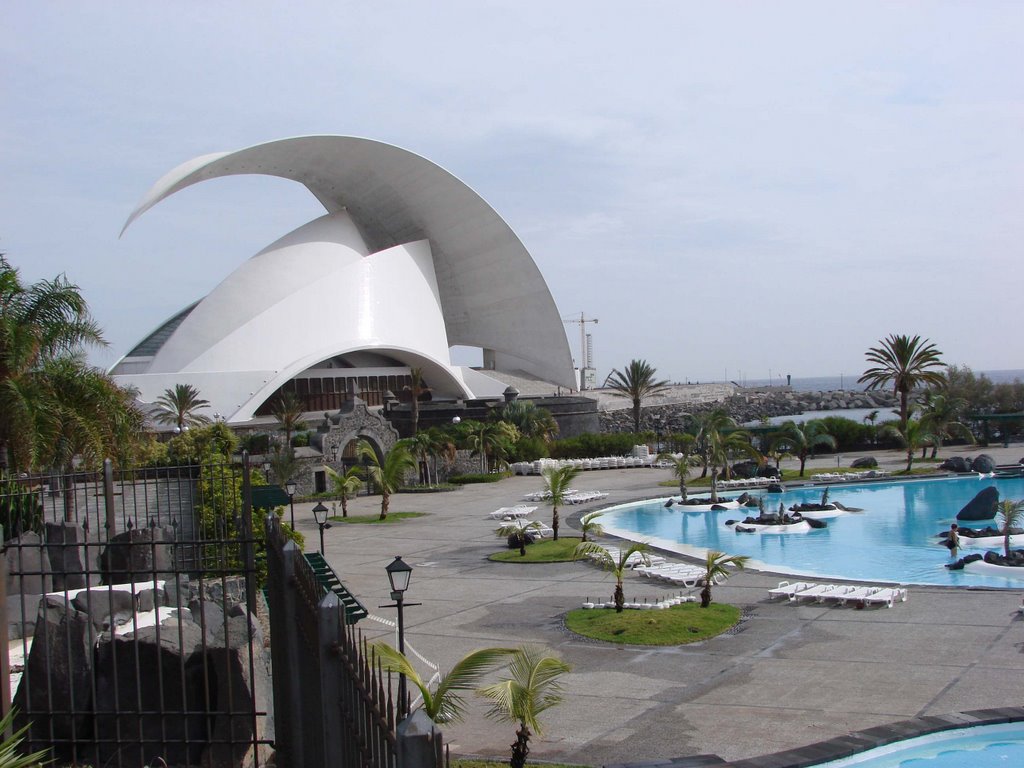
<point>511,513</point>
<point>785,589</point>
<point>839,593</point>
<point>814,593</point>
<point>857,594</point>
<point>887,597</point>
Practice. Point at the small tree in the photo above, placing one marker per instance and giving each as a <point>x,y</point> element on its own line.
<point>388,474</point>
<point>288,410</point>
<point>589,525</point>
<point>717,569</point>
<point>519,529</point>
<point>680,465</point>
<point>556,483</point>
<point>1012,514</point>
<point>445,703</point>
<point>531,688</point>
<point>346,484</point>
<point>636,381</point>
<point>178,406</point>
<point>802,439</point>
<point>616,564</point>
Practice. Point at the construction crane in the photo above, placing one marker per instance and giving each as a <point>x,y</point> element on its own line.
<point>585,361</point>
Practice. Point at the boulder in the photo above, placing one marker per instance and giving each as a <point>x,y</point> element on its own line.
<point>956,464</point>
<point>982,506</point>
<point>28,567</point>
<point>984,464</point>
<point>66,550</point>
<point>57,678</point>
<point>139,554</point>
<point>864,462</point>
<point>744,470</point>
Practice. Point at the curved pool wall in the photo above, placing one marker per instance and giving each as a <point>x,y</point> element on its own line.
<point>895,538</point>
<point>982,738</point>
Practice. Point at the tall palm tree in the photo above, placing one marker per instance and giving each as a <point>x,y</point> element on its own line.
<point>636,382</point>
<point>710,425</point>
<point>556,483</point>
<point>802,439</point>
<point>346,484</point>
<point>444,704</point>
<point>178,406</point>
<point>616,563</point>
<point>905,362</point>
<point>39,323</point>
<point>1011,513</point>
<point>590,526</point>
<point>531,689</point>
<point>941,414</point>
<point>288,409</point>
<point>416,388</point>
<point>716,568</point>
<point>490,440</point>
<point>389,473</point>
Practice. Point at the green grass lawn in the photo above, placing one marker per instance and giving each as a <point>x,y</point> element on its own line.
<point>546,551</point>
<point>681,624</point>
<point>374,519</point>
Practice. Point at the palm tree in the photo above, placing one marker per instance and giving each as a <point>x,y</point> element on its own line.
<point>907,363</point>
<point>589,525</point>
<point>445,703</point>
<point>556,483</point>
<point>283,465</point>
<point>490,441</point>
<point>416,388</point>
<point>288,409</point>
<point>717,569</point>
<point>178,406</point>
<point>941,414</point>
<point>443,446</point>
<point>636,382</point>
<point>1012,514</point>
<point>346,484</point>
<point>531,688</point>
<point>519,529</point>
<point>530,420</point>
<point>422,445</point>
<point>680,464</point>
<point>802,439</point>
<point>43,322</point>
<point>388,474</point>
<point>616,563</point>
<point>912,435</point>
<point>710,425</point>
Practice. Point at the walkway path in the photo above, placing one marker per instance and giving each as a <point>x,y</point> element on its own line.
<point>787,676</point>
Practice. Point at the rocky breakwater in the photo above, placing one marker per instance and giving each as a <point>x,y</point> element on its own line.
<point>745,405</point>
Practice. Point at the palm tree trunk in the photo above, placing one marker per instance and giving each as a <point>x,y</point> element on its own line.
<point>620,597</point>
<point>705,595</point>
<point>803,461</point>
<point>385,498</point>
<point>344,505</point>
<point>636,415</point>
<point>714,486</point>
<point>521,749</point>
<point>554,522</point>
<point>910,458</point>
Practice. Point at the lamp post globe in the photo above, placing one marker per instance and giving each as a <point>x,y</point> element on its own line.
<point>320,515</point>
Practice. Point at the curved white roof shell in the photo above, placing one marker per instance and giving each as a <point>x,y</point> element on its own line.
<point>408,261</point>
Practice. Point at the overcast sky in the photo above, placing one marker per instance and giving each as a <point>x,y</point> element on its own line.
<point>730,188</point>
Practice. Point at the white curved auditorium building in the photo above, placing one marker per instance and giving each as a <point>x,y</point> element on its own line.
<point>406,262</point>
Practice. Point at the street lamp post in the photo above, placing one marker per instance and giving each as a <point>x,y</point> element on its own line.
<point>320,515</point>
<point>399,574</point>
<point>289,488</point>
<point>334,453</point>
<point>266,470</point>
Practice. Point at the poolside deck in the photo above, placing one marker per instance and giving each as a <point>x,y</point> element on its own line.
<point>787,676</point>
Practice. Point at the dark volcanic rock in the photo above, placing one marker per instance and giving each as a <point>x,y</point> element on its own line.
<point>956,464</point>
<point>864,462</point>
<point>984,463</point>
<point>982,506</point>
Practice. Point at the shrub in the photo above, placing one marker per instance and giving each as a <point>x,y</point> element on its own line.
<point>850,435</point>
<point>528,449</point>
<point>591,445</point>
<point>300,440</point>
<point>477,477</point>
<point>258,442</point>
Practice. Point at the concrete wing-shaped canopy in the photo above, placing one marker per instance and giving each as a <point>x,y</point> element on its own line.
<point>492,293</point>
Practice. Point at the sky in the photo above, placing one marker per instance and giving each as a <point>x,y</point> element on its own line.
<point>734,190</point>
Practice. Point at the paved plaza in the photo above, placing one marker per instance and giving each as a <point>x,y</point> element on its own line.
<point>787,676</point>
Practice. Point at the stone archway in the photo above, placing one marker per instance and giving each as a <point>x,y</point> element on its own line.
<point>354,423</point>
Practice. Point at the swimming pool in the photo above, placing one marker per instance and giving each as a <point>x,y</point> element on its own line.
<point>894,539</point>
<point>984,746</point>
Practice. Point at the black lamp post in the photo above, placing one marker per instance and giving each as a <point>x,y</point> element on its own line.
<point>266,470</point>
<point>399,574</point>
<point>289,488</point>
<point>320,515</point>
<point>334,453</point>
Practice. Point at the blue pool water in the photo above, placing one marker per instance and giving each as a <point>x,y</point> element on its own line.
<point>984,746</point>
<point>893,540</point>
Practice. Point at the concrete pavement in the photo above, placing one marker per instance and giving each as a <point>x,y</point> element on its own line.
<point>786,676</point>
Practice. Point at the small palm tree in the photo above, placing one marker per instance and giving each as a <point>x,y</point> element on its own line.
<point>389,474</point>
<point>589,525</point>
<point>906,363</point>
<point>941,414</point>
<point>802,439</point>
<point>288,410</point>
<point>680,464</point>
<point>445,703</point>
<point>637,381</point>
<point>178,406</point>
<point>615,563</point>
<point>12,751</point>
<point>346,484</point>
<point>283,465</point>
<point>912,435</point>
<point>531,688</point>
<point>556,482</point>
<point>717,569</point>
<point>519,529</point>
<point>1012,514</point>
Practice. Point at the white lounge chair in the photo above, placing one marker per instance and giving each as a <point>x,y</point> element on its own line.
<point>786,589</point>
<point>857,594</point>
<point>814,593</point>
<point>887,596</point>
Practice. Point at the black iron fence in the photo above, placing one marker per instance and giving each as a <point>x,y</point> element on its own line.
<point>132,618</point>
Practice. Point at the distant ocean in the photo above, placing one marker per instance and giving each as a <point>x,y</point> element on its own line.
<point>849,382</point>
